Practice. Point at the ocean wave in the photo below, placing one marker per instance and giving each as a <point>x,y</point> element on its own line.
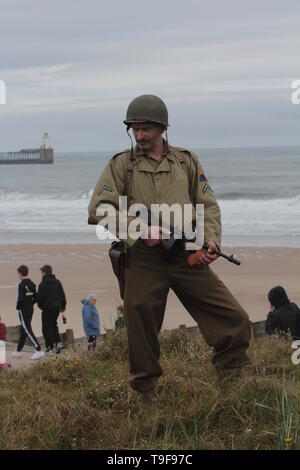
<point>236,196</point>
<point>264,204</point>
<point>21,212</point>
<point>20,196</point>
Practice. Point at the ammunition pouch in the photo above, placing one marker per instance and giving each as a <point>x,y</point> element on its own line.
<point>119,260</point>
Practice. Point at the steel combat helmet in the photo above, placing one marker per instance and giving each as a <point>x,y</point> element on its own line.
<point>147,108</point>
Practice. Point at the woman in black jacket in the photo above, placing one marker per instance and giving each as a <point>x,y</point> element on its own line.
<point>284,318</point>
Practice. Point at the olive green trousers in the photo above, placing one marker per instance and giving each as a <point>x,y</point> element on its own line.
<point>221,319</point>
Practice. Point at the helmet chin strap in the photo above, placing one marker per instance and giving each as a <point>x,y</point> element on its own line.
<point>167,142</point>
<point>131,150</point>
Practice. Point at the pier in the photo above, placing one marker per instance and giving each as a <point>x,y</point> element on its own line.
<point>44,154</point>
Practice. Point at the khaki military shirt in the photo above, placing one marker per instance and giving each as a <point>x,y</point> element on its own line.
<point>177,178</point>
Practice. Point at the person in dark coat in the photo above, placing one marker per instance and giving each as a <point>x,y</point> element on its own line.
<point>26,298</point>
<point>284,317</point>
<point>51,300</point>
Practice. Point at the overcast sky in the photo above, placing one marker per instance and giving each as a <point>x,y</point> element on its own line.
<point>224,69</point>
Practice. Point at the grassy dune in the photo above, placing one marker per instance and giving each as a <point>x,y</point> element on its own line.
<point>84,402</point>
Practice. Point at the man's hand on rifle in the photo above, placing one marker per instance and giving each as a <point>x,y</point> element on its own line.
<point>203,256</point>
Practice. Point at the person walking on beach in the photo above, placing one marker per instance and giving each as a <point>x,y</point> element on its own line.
<point>284,317</point>
<point>26,298</point>
<point>156,172</point>
<point>51,300</point>
<point>90,317</point>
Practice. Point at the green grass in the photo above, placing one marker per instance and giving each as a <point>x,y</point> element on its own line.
<point>84,402</point>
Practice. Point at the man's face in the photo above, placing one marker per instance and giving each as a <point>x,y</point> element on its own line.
<point>147,135</point>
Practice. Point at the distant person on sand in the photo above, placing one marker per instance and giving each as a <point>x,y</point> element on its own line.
<point>284,317</point>
<point>2,331</point>
<point>26,298</point>
<point>120,322</point>
<point>90,317</point>
<point>52,301</point>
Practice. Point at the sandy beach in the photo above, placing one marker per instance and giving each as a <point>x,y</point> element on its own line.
<point>83,268</point>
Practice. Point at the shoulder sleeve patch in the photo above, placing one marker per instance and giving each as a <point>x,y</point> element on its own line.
<point>202,175</point>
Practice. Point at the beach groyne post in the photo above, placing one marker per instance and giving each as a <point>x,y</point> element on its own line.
<point>109,333</point>
<point>258,329</point>
<point>2,352</point>
<point>68,339</point>
<point>13,333</point>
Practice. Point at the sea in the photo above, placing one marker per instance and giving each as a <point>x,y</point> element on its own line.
<point>258,191</point>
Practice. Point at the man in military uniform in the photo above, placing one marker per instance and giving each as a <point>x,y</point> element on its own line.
<point>160,173</point>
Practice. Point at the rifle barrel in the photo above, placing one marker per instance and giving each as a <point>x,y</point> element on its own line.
<point>230,258</point>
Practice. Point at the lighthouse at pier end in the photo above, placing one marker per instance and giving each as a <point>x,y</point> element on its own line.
<point>44,154</point>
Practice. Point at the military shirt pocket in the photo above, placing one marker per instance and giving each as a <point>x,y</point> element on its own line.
<point>178,188</point>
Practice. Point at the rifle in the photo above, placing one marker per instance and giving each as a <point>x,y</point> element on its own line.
<point>172,246</point>
<point>194,257</point>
